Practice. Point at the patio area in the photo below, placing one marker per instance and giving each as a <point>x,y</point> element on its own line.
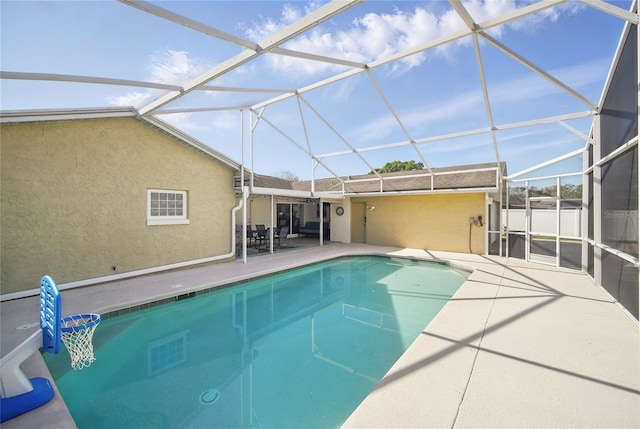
<point>261,248</point>
<point>519,345</point>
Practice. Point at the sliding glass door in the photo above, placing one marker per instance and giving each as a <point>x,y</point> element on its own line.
<point>290,214</point>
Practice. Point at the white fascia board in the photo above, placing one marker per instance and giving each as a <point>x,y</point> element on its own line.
<point>257,190</point>
<point>330,197</point>
<point>413,176</point>
<point>423,192</point>
<point>12,116</point>
<point>277,192</point>
<point>198,109</point>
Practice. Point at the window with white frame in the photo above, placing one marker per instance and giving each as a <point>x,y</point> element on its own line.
<point>166,207</point>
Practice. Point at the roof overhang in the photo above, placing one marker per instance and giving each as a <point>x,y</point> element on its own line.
<point>424,192</point>
<point>293,193</point>
<point>65,114</point>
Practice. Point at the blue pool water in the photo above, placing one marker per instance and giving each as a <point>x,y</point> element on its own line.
<point>298,349</point>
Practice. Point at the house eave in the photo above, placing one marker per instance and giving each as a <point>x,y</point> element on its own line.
<point>422,192</point>
<point>16,116</point>
<point>256,190</point>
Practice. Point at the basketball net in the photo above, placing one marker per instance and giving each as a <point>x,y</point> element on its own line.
<point>77,334</point>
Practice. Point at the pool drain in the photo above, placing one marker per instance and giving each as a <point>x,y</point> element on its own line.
<point>209,396</point>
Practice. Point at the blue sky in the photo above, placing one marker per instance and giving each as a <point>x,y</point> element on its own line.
<point>434,93</point>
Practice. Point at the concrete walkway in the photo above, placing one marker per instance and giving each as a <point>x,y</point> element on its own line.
<point>519,345</point>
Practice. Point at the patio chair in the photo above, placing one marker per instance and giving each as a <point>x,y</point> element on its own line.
<point>251,234</point>
<point>282,235</point>
<point>260,234</point>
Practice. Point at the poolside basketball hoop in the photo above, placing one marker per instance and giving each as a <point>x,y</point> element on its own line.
<point>19,394</point>
<point>76,332</point>
<point>77,335</point>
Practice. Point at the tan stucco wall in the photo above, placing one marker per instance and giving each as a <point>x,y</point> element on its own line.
<point>74,200</point>
<point>434,222</point>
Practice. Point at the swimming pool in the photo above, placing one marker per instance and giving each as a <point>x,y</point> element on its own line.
<point>300,348</point>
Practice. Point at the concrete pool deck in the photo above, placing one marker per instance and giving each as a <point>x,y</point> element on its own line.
<point>519,345</point>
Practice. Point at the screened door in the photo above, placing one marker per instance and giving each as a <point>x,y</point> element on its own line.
<point>543,230</point>
<point>358,223</point>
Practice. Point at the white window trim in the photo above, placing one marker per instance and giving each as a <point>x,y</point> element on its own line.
<point>167,220</point>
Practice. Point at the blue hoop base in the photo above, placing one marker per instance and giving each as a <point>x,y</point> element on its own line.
<point>15,405</point>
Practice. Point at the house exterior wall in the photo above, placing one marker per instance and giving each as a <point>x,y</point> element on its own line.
<point>434,222</point>
<point>74,201</point>
<point>340,231</point>
<point>258,211</point>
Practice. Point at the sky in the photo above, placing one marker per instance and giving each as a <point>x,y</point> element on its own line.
<point>422,97</point>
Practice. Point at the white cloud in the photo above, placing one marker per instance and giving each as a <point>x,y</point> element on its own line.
<point>168,67</point>
<point>222,121</point>
<point>136,99</point>
<point>531,24</point>
<point>290,14</point>
<point>377,35</point>
<point>175,67</point>
<point>181,120</point>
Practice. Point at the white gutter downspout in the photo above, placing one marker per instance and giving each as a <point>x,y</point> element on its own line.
<point>245,192</point>
<point>272,226</point>
<point>321,234</point>
<point>96,280</point>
